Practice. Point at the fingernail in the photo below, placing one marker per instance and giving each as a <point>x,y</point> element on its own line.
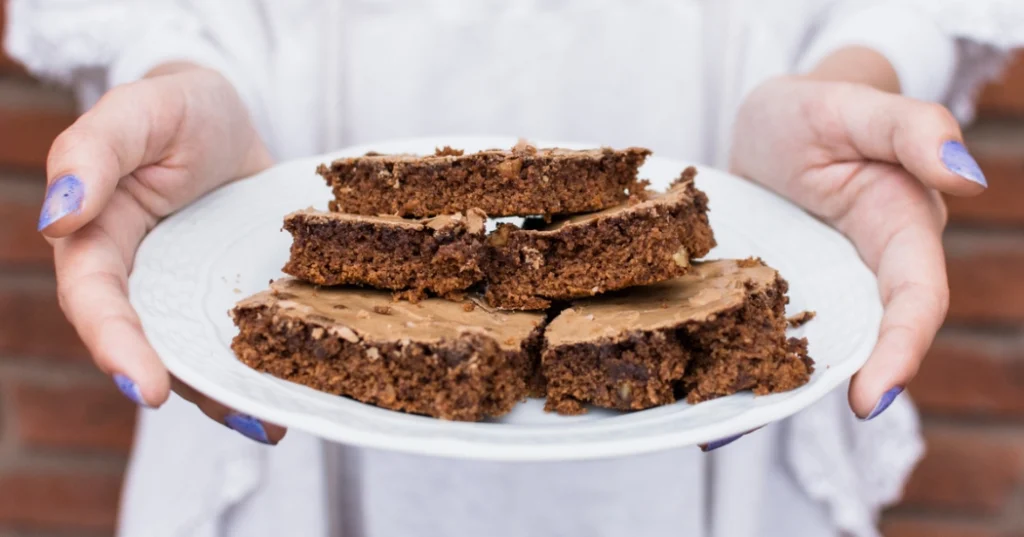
<point>63,197</point>
<point>129,389</point>
<point>711,446</point>
<point>248,426</point>
<point>883,403</point>
<point>959,161</point>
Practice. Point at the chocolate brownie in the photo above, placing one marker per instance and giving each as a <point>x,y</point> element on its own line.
<point>522,181</point>
<point>632,244</point>
<point>800,319</point>
<point>441,254</point>
<point>718,330</point>
<point>447,359</point>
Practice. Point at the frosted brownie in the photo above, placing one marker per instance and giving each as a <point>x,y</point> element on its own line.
<point>628,245</point>
<point>718,330</point>
<point>451,360</point>
<point>518,182</point>
<point>441,254</point>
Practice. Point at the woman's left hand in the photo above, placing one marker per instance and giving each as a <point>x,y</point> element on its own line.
<point>872,164</point>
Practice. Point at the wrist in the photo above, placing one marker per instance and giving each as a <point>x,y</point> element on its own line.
<point>172,68</point>
<point>858,65</point>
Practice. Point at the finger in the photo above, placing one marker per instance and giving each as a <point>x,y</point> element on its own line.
<point>897,228</point>
<point>252,428</point>
<point>922,137</point>
<point>92,279</point>
<point>913,314</point>
<point>127,129</point>
<point>722,442</point>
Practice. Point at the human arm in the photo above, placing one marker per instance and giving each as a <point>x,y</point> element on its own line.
<point>172,127</point>
<point>840,141</point>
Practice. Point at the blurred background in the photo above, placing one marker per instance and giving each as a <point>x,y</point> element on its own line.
<point>65,431</point>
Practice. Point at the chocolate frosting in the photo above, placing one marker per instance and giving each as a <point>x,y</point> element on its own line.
<point>521,149</point>
<point>359,314</point>
<point>709,288</point>
<point>474,220</point>
<point>680,192</point>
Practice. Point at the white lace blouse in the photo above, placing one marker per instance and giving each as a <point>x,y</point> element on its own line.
<point>667,74</point>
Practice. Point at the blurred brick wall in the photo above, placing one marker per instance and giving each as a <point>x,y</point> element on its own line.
<point>971,388</point>
<point>65,431</point>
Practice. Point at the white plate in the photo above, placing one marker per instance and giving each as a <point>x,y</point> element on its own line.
<point>196,264</point>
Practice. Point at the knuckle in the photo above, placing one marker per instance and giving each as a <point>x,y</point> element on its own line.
<point>64,298</point>
<point>943,214</point>
<point>911,368</point>
<point>941,115</point>
<point>62,145</point>
<point>821,112</point>
<point>942,299</point>
<point>119,93</point>
<point>939,209</point>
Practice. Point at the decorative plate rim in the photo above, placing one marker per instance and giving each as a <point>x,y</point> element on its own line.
<point>169,290</point>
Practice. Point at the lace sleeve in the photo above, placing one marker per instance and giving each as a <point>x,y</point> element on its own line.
<point>80,42</point>
<point>922,55</point>
<point>942,50</point>
<point>853,468</point>
<point>986,32</point>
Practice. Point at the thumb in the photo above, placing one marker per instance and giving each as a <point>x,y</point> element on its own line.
<point>128,128</point>
<point>924,138</point>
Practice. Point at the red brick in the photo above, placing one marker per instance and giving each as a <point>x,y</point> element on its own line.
<point>9,66</point>
<point>6,63</point>
<point>965,470</point>
<point>985,283</point>
<point>937,528</point>
<point>1005,97</point>
<point>76,417</point>
<point>32,325</point>
<point>1001,203</point>
<point>971,376</point>
<point>26,135</point>
<point>20,244</point>
<point>81,501</point>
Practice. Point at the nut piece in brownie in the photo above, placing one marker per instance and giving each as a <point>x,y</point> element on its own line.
<point>522,181</point>
<point>440,254</point>
<point>451,360</point>
<point>632,244</point>
<point>718,330</point>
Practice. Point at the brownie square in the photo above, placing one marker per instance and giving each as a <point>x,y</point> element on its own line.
<point>447,359</point>
<point>635,243</point>
<point>718,330</point>
<point>522,181</point>
<point>442,255</point>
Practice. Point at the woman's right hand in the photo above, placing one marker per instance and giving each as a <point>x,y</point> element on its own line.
<point>144,151</point>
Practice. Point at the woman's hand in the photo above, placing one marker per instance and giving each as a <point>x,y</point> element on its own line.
<point>872,164</point>
<point>144,151</point>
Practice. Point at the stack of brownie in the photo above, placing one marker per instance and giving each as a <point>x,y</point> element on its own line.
<point>400,298</point>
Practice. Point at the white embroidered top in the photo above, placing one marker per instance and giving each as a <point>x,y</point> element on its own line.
<point>667,74</point>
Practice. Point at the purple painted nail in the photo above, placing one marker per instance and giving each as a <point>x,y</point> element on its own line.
<point>248,426</point>
<point>711,446</point>
<point>956,158</point>
<point>64,197</point>
<point>883,403</point>
<point>129,389</point>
